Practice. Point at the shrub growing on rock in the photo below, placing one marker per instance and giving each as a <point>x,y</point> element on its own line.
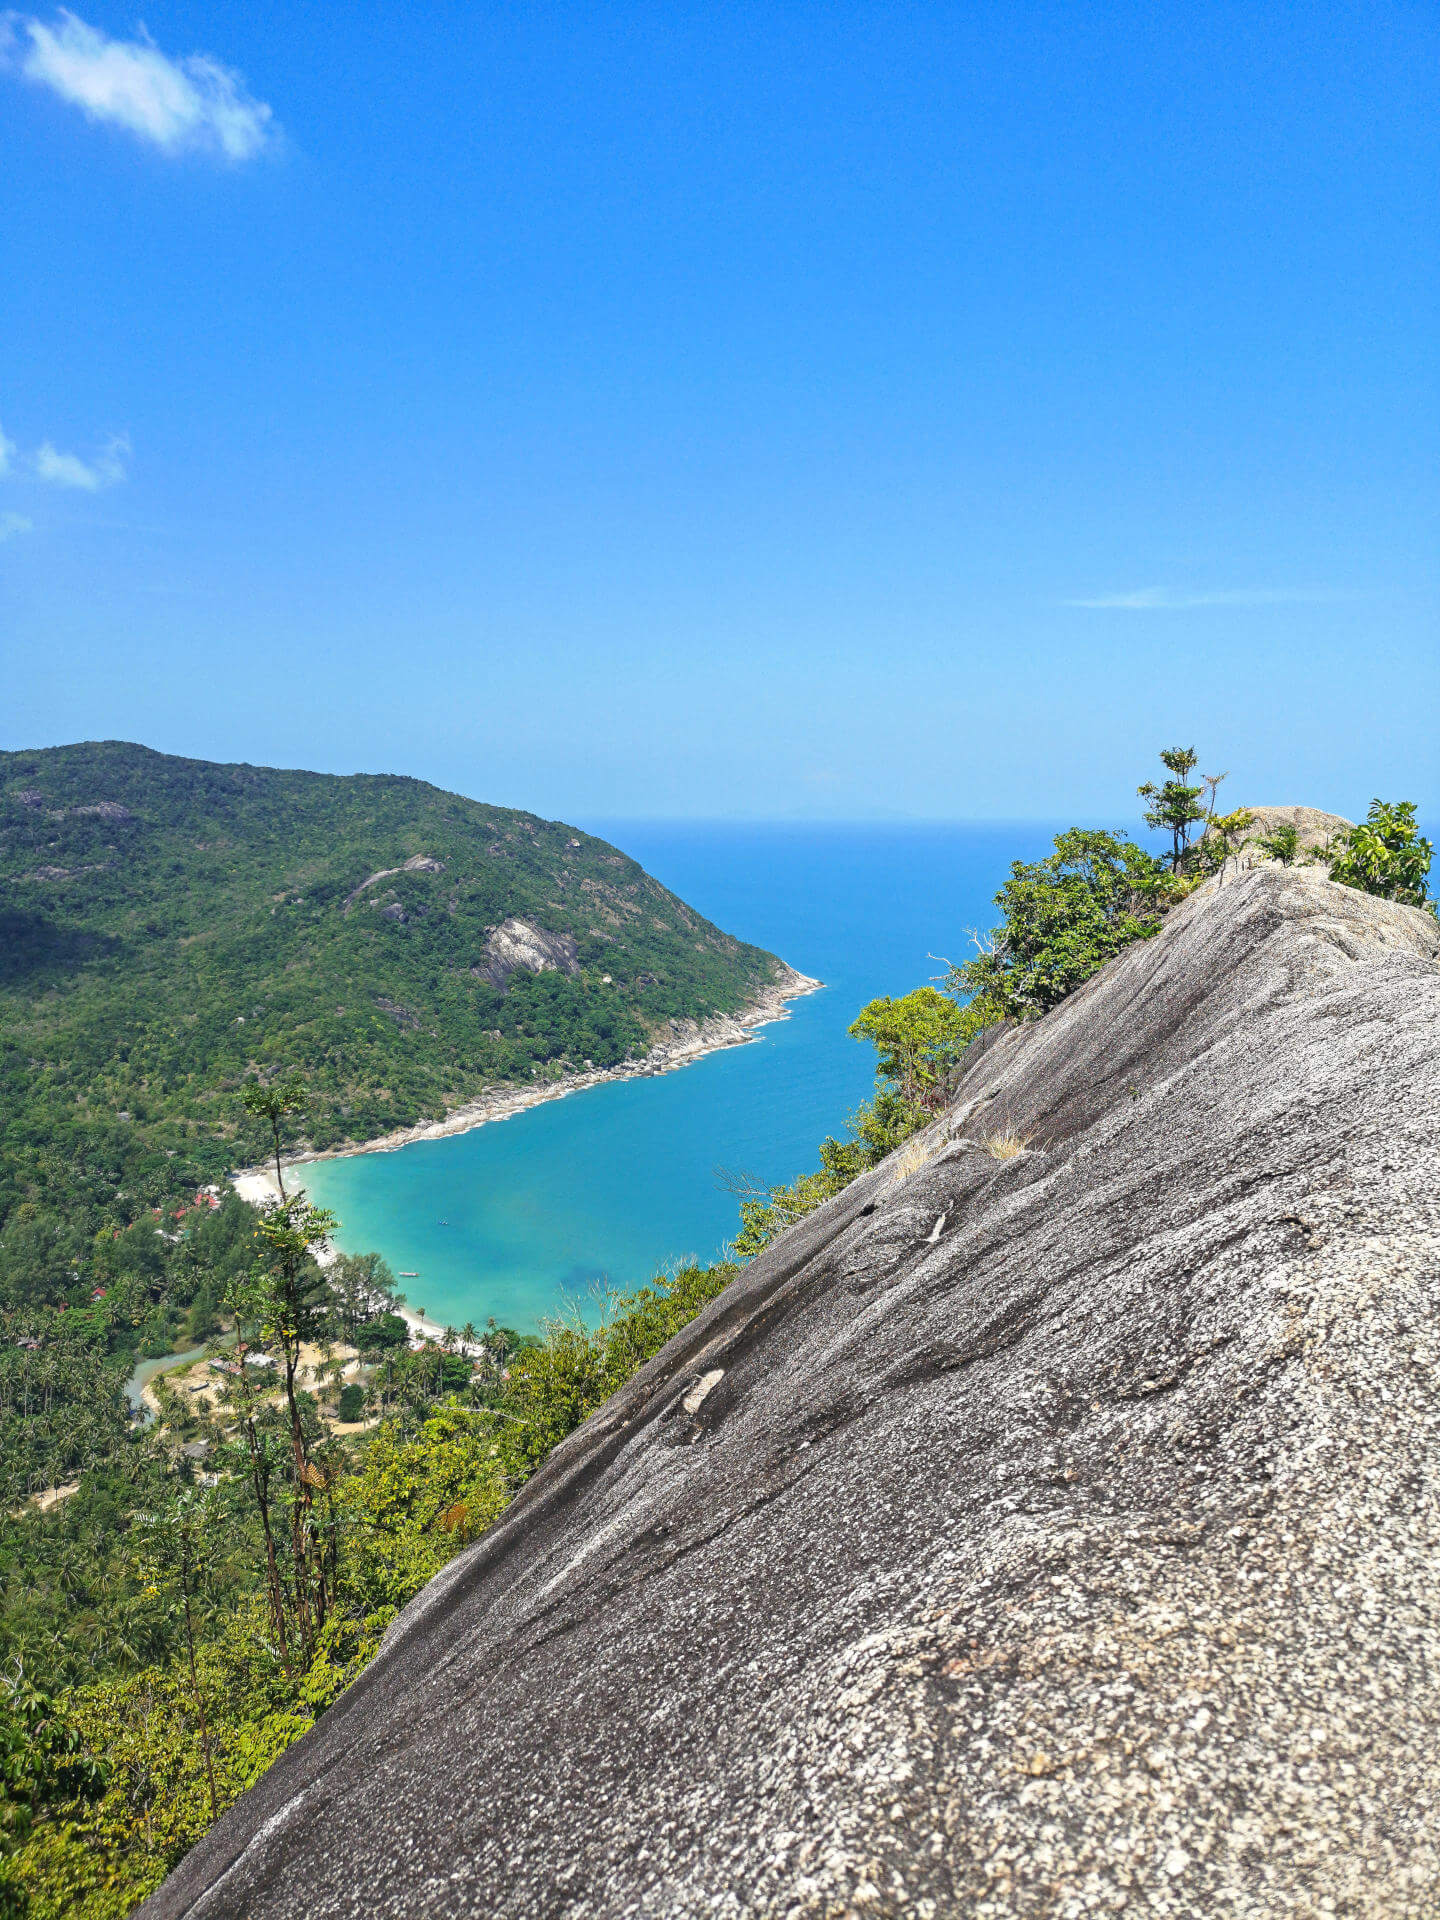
<point>918,1038</point>
<point>1064,918</point>
<point>1282,845</point>
<point>1385,854</point>
<point>1223,837</point>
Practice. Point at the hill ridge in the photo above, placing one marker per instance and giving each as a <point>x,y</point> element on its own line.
<point>171,925</point>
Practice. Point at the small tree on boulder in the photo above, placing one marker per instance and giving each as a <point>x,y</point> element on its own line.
<point>1175,805</point>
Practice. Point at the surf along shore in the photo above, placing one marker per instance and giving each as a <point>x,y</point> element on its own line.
<point>688,1041</point>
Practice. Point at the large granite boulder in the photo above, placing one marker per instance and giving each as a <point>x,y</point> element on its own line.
<point>1048,1531</point>
<point>1315,832</point>
<point>515,946</point>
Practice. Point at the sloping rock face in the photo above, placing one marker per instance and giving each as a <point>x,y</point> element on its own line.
<point>1052,1535</point>
<point>517,947</point>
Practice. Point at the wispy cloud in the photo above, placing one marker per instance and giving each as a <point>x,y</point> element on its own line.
<point>187,105</point>
<point>13,523</point>
<point>1168,600</point>
<point>69,470</point>
<point>48,463</point>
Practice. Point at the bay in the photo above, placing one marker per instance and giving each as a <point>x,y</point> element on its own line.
<point>520,1217</point>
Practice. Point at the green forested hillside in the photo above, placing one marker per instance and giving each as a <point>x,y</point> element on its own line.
<point>168,926</point>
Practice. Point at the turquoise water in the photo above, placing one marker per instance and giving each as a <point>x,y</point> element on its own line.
<point>616,1182</point>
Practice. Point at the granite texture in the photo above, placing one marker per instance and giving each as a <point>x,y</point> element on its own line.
<point>1048,1535</point>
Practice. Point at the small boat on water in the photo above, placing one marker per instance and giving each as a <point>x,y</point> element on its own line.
<point>408,1276</point>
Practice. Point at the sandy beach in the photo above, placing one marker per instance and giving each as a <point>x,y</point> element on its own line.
<point>259,1186</point>
<point>690,1040</point>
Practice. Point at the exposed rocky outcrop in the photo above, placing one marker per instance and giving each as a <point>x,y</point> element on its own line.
<point>1033,1536</point>
<point>1314,831</point>
<point>404,1017</point>
<point>1314,827</point>
<point>516,946</point>
<point>417,863</point>
<point>69,873</point>
<point>106,810</point>
<point>101,810</point>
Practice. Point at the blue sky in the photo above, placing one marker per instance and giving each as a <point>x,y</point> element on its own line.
<point>774,411</point>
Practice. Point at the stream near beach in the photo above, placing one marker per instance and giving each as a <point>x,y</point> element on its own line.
<point>146,1370</point>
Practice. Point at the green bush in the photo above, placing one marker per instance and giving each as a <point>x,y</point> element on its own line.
<point>1282,845</point>
<point>1223,838</point>
<point>1385,854</point>
<point>1065,916</point>
<point>918,1039</point>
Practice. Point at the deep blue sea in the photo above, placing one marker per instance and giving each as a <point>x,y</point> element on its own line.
<point>617,1182</point>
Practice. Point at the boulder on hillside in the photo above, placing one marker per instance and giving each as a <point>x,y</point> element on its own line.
<point>517,946</point>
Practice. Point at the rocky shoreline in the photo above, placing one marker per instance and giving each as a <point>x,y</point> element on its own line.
<point>690,1040</point>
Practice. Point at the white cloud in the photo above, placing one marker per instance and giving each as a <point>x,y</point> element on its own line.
<point>1165,600</point>
<point>69,470</point>
<point>13,523</point>
<point>7,449</point>
<point>188,105</point>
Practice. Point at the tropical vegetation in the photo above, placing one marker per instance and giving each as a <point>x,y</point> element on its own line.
<point>180,1598</point>
<point>1386,854</point>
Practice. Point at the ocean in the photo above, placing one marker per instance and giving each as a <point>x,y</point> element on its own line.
<point>525,1217</point>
